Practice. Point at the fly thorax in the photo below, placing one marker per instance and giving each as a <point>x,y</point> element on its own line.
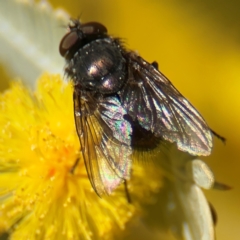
<point>100,67</point>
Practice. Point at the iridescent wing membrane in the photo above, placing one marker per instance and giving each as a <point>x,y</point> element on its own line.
<point>151,99</point>
<point>105,139</point>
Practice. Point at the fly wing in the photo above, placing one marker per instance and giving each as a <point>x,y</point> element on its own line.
<point>151,99</point>
<point>105,141</point>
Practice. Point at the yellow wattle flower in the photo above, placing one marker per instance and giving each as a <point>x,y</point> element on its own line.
<point>39,196</point>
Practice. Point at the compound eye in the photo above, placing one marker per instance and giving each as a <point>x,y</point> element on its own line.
<point>93,28</point>
<point>67,42</point>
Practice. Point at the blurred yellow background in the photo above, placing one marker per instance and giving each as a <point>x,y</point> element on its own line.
<point>197,46</point>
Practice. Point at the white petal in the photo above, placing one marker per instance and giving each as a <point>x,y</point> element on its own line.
<point>29,38</point>
<point>201,174</point>
<point>189,212</point>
